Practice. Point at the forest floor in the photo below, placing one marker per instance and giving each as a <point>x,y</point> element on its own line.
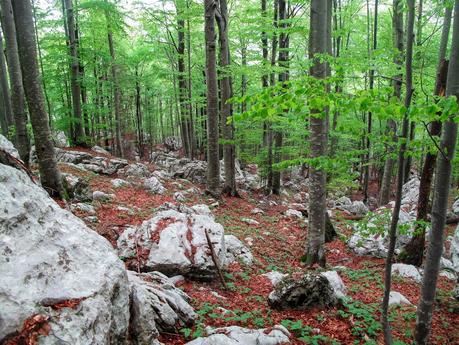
<point>277,244</point>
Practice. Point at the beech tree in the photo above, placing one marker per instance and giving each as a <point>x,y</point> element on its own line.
<point>17,90</point>
<point>213,161</point>
<point>440,197</point>
<point>27,47</point>
<point>318,43</point>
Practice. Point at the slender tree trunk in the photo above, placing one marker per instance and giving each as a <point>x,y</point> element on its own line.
<point>283,77</point>
<point>413,252</point>
<point>17,91</point>
<point>318,43</point>
<point>440,198</point>
<point>138,114</point>
<point>116,92</point>
<point>229,151</point>
<point>366,179</point>
<point>79,134</point>
<point>27,48</point>
<point>182,83</point>
<point>213,162</point>
<point>40,60</point>
<point>384,195</point>
<point>5,90</point>
<point>400,175</point>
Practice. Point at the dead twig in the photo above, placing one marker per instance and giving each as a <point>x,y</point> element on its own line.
<point>215,260</point>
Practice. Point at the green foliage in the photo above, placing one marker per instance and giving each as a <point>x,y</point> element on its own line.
<point>307,333</point>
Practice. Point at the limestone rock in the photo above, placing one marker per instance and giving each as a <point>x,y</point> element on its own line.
<point>293,214</point>
<point>157,305</point>
<point>174,243</point>
<point>154,185</point>
<point>396,298</point>
<point>312,290</point>
<point>275,277</point>
<point>8,146</point>
<point>407,271</point>
<point>60,139</point>
<point>235,335</point>
<point>48,256</point>
<point>99,149</point>
<point>118,183</point>
<point>97,195</point>
<point>236,250</point>
<point>410,191</point>
<point>336,283</point>
<point>76,187</point>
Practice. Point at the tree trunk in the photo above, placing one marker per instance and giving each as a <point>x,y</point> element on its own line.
<point>400,175</point>
<point>366,179</point>
<point>318,43</point>
<point>229,152</point>
<point>79,135</point>
<point>17,91</point>
<point>283,77</point>
<point>27,48</point>
<point>116,92</point>
<point>213,162</point>
<point>5,91</point>
<point>440,198</point>
<point>397,22</point>
<point>138,114</point>
<point>413,252</point>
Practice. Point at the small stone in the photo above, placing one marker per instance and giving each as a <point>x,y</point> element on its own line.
<point>250,221</point>
<point>396,298</point>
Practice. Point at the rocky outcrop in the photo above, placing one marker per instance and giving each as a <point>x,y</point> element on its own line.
<point>52,264</point>
<point>371,237</point>
<point>454,248</point>
<point>410,191</point>
<point>173,143</point>
<point>154,185</point>
<point>8,146</point>
<point>237,251</point>
<point>174,242</point>
<point>311,291</point>
<point>60,139</point>
<point>355,207</point>
<point>99,165</point>
<point>156,306</point>
<point>235,335</point>
<point>396,298</point>
<point>76,187</point>
<point>407,271</point>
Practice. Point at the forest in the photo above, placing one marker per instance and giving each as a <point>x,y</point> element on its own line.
<point>224,172</point>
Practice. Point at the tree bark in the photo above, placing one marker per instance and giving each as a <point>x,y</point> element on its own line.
<point>440,198</point>
<point>116,89</point>
<point>397,23</point>
<point>79,135</point>
<point>413,252</point>
<point>27,48</point>
<point>366,179</point>
<point>213,162</point>
<point>17,90</point>
<point>5,92</point>
<point>318,43</point>
<point>400,175</point>
<point>229,151</point>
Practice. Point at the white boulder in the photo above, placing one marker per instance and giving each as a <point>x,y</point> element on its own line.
<point>154,185</point>
<point>336,283</point>
<point>235,335</point>
<point>236,250</point>
<point>49,256</point>
<point>396,298</point>
<point>275,277</point>
<point>8,146</point>
<point>407,271</point>
<point>174,242</point>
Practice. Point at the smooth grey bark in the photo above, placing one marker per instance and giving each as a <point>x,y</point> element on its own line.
<point>27,47</point>
<point>413,252</point>
<point>5,91</point>
<point>229,150</point>
<point>283,77</point>
<point>17,90</point>
<point>116,89</point>
<point>78,133</point>
<point>440,198</point>
<point>400,174</point>
<point>184,112</point>
<point>366,178</point>
<point>318,43</point>
<point>397,22</point>
<point>213,162</point>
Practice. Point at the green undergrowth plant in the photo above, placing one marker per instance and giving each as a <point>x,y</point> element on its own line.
<point>306,333</point>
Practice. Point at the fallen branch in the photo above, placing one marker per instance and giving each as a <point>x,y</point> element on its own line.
<point>452,220</point>
<point>215,260</point>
